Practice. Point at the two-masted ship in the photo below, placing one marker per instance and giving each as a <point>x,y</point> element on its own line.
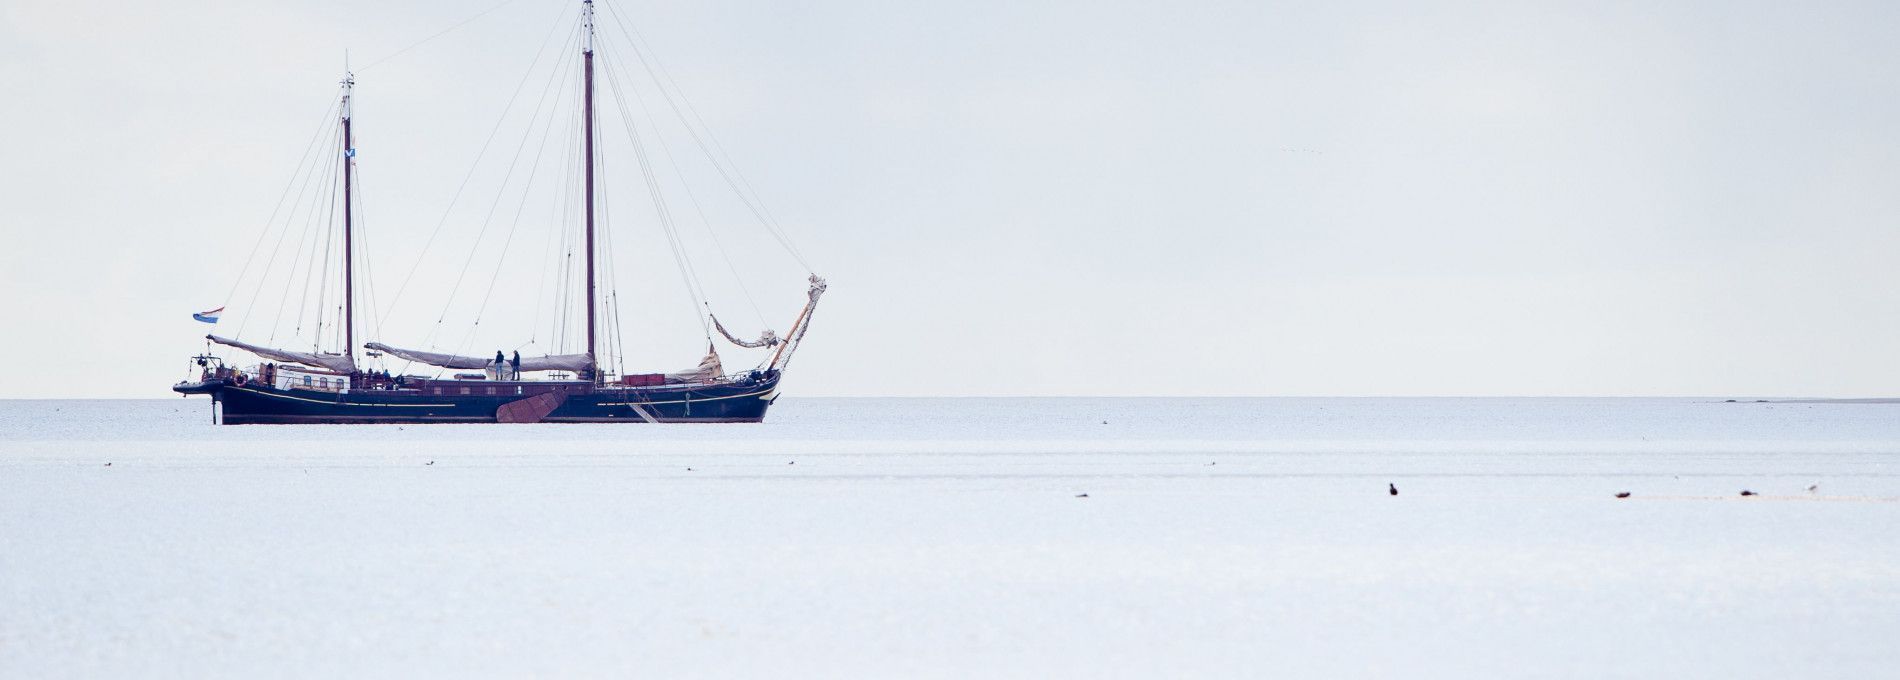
<point>314,386</point>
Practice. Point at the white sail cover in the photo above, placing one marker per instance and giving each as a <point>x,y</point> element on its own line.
<point>336,362</point>
<point>707,370</point>
<point>557,362</point>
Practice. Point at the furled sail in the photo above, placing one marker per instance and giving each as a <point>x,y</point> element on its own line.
<point>708,369</point>
<point>558,362</point>
<point>340,363</point>
<point>766,339</point>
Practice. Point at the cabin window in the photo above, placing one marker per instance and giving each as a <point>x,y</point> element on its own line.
<point>517,389</point>
<point>491,391</point>
<point>306,381</point>
<point>464,390</point>
<point>438,391</point>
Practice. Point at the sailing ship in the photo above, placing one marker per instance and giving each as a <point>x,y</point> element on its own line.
<point>345,387</point>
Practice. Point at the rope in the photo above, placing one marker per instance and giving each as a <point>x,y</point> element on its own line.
<point>672,160</point>
<point>308,172</point>
<point>489,218</point>
<point>296,260</point>
<point>329,239</point>
<point>752,203</point>
<point>688,275</point>
<point>499,120</point>
<point>438,34</point>
<point>323,124</point>
<point>550,256</point>
<point>534,168</point>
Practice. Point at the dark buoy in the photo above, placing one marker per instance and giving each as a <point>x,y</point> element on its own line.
<point>1081,495</point>
<point>1746,492</point>
<point>1811,487</point>
<point>1392,489</point>
<point>791,462</point>
<point>429,463</point>
<point>1622,494</point>
<point>108,465</point>
<point>689,469</point>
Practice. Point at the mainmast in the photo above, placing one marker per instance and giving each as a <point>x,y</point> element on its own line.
<point>349,253</point>
<point>587,107</point>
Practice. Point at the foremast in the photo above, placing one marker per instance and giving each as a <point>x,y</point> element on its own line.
<point>349,230</point>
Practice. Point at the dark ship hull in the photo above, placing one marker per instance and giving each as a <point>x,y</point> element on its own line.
<point>743,400</point>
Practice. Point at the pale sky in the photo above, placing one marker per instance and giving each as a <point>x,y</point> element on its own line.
<point>1029,198</point>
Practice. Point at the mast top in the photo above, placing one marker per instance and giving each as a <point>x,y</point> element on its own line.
<point>349,86</point>
<point>587,23</point>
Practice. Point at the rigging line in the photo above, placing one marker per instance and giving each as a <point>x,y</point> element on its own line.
<point>687,274</point>
<point>773,223</point>
<point>604,249</point>
<point>534,168</point>
<point>323,283</point>
<point>369,274</point>
<point>573,232</point>
<point>438,34</point>
<point>563,257</point>
<point>479,154</point>
<point>610,273</point>
<point>489,218</point>
<point>361,234</point>
<point>753,203</point>
<point>666,151</point>
<point>563,264</point>
<point>620,341</point>
<point>636,38</point>
<point>323,123</point>
<point>616,336</point>
<point>567,185</point>
<point>307,172</point>
<point>297,259</point>
<point>431,339</point>
<point>297,262</point>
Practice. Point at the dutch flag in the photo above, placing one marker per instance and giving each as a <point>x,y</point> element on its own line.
<point>209,317</point>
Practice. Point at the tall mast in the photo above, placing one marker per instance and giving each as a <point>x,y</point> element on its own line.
<point>349,252</point>
<point>587,107</point>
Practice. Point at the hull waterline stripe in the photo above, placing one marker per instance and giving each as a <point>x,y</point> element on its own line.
<point>338,402</point>
<point>682,401</point>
